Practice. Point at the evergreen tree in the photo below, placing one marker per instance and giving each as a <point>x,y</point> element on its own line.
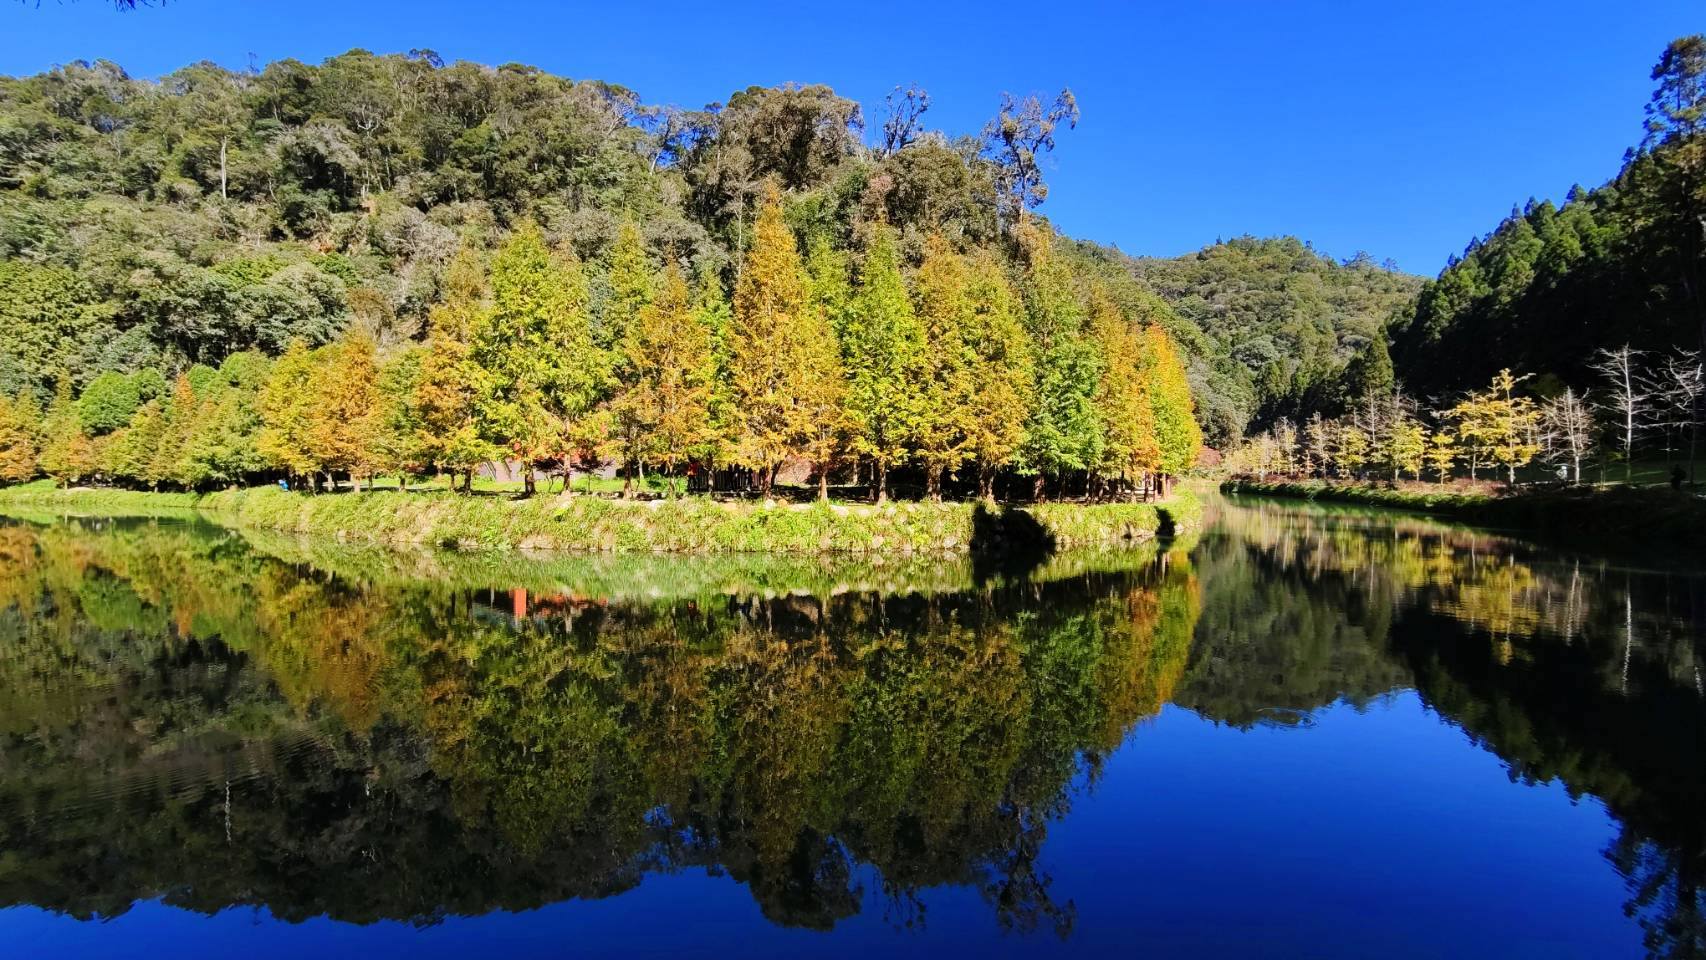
<point>1002,377</point>
<point>540,368</point>
<point>1369,372</point>
<point>229,445</point>
<point>882,353</point>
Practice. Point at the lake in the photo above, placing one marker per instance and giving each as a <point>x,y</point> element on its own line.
<point>1304,731</point>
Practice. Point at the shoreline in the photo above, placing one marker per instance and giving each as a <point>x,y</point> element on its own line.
<point>590,524</point>
<point>1618,516</point>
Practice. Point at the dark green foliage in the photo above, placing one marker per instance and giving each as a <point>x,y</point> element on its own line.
<point>1278,323</point>
<point>1621,264</point>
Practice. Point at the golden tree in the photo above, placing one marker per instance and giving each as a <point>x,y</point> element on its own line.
<point>783,370</point>
<point>672,372</point>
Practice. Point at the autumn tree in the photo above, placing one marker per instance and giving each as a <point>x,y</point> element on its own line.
<point>671,367</point>
<point>1175,411</point>
<point>1441,454</point>
<point>66,452</point>
<point>346,418</point>
<point>287,414</point>
<point>946,384</point>
<point>783,369</point>
<point>19,420</point>
<point>1131,447</point>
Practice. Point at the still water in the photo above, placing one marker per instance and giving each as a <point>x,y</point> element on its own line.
<point>1304,732</point>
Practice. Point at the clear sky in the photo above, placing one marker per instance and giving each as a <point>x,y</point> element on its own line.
<point>1399,128</point>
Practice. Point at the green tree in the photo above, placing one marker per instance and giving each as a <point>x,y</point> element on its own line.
<point>630,288</point>
<point>882,353</point>
<point>539,367</point>
<point>1002,374</point>
<point>948,364</point>
<point>1064,432</point>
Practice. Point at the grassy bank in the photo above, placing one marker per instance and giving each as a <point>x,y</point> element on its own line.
<point>693,525</point>
<point>1620,515</point>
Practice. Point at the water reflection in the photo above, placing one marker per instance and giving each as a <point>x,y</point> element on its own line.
<point>215,719</point>
<point>1568,669</point>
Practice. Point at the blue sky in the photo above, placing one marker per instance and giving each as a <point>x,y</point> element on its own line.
<point>1398,128</point>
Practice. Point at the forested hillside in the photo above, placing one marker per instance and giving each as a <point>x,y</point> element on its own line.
<point>392,264</point>
<point>1278,322</point>
<point>1622,264</point>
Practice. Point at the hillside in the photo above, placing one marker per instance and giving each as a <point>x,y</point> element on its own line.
<point>394,265</point>
<point>1622,264</point>
<point>1279,320</point>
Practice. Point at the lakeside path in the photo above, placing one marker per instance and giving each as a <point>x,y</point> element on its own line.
<point>589,523</point>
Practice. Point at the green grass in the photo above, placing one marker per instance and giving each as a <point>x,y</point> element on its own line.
<point>599,524</point>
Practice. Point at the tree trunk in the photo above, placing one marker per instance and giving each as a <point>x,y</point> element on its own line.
<point>223,142</point>
<point>1039,493</point>
<point>986,484</point>
<point>882,493</point>
<point>935,483</point>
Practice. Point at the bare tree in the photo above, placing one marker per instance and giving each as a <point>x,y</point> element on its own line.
<point>1681,382</point>
<point>904,120</point>
<point>1630,395</point>
<point>1017,139</point>
<point>1566,423</point>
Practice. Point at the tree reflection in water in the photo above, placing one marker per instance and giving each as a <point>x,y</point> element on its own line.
<point>214,719</point>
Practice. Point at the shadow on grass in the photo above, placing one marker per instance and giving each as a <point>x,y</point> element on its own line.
<point>1008,542</point>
